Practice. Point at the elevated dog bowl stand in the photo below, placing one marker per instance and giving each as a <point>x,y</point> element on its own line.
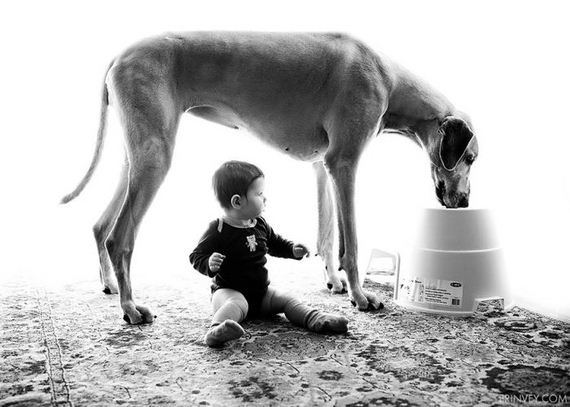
<point>468,286</point>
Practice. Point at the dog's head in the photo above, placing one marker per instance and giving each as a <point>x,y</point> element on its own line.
<point>452,155</point>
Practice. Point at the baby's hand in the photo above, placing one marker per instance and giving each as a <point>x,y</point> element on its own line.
<point>300,250</point>
<point>215,261</point>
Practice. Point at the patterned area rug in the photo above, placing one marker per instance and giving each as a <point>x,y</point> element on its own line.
<point>68,346</point>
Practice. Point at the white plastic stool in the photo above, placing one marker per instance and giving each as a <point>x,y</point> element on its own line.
<point>382,266</point>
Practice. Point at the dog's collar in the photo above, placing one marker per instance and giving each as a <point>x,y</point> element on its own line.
<point>421,143</point>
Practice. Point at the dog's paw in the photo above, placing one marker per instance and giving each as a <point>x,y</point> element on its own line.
<point>368,302</point>
<point>109,282</point>
<point>339,289</point>
<point>110,290</point>
<point>336,283</point>
<point>138,314</point>
<point>370,306</point>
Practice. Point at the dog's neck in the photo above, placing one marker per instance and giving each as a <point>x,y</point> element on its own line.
<point>415,110</point>
<point>412,99</point>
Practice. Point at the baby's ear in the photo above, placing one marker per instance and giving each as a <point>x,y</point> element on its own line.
<point>235,201</point>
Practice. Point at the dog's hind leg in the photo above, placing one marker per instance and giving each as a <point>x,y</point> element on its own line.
<point>149,165</point>
<point>335,282</point>
<point>103,228</point>
<point>150,115</point>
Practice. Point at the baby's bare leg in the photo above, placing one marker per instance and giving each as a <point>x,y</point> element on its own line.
<point>230,308</point>
<point>276,302</point>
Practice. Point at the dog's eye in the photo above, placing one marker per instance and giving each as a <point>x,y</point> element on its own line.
<point>470,159</point>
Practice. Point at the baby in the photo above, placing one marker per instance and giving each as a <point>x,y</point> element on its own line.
<point>233,252</point>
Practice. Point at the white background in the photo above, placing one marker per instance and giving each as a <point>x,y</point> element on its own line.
<point>505,63</point>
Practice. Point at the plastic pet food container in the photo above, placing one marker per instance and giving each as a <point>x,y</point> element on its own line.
<point>454,264</point>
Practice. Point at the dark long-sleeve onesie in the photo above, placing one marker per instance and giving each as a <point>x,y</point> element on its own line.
<point>245,249</point>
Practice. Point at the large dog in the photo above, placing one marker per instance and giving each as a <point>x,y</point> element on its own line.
<point>317,97</point>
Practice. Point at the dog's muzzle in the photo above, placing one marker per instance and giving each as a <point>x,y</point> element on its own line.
<point>451,200</point>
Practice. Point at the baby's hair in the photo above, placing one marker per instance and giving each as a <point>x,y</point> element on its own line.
<point>233,177</point>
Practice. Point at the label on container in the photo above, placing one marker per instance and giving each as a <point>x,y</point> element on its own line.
<point>431,291</point>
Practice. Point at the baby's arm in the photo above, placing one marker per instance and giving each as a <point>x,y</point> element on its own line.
<point>281,247</point>
<point>205,257</point>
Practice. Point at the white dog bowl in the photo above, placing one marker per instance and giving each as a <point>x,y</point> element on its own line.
<point>456,230</point>
<point>454,264</point>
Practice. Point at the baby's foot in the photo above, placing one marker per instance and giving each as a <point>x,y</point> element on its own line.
<point>219,334</point>
<point>326,323</point>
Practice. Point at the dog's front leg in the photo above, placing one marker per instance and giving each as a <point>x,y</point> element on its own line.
<point>334,281</point>
<point>343,174</point>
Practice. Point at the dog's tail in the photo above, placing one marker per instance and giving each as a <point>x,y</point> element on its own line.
<point>98,146</point>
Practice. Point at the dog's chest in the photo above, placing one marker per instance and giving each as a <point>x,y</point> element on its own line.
<point>303,143</point>
<point>299,137</point>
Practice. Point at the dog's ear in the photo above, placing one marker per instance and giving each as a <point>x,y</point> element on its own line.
<point>456,137</point>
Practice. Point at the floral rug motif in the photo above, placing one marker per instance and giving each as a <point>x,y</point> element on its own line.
<point>69,346</point>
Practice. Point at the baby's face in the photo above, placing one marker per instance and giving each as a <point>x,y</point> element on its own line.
<point>255,203</point>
